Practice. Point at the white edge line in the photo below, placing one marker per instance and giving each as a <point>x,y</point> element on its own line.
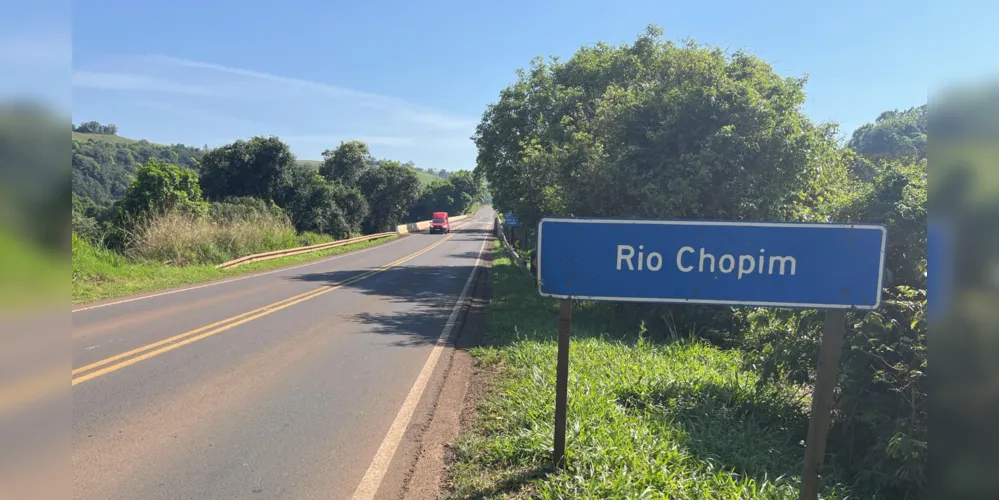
<point>383,457</point>
<point>231,280</point>
<point>881,264</point>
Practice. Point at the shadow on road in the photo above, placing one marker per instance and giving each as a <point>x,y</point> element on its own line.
<point>428,292</point>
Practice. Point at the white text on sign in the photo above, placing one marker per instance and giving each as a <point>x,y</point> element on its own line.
<point>688,259</point>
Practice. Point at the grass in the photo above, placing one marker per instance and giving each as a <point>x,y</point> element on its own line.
<point>425,178</point>
<point>83,136</point>
<point>100,274</point>
<point>645,420</point>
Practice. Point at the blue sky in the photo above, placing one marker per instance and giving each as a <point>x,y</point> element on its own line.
<point>412,78</point>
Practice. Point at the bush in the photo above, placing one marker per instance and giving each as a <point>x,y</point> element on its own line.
<point>182,240</point>
<point>879,431</point>
<point>85,227</point>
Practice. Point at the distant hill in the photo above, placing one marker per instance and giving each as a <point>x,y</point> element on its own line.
<point>117,139</point>
<point>104,164</point>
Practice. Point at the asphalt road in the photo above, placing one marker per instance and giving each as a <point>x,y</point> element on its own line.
<point>185,395</point>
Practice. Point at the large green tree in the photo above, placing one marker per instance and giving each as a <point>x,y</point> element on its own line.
<point>390,189</point>
<point>311,202</point>
<point>345,163</point>
<point>654,129</point>
<point>258,168</point>
<point>894,134</point>
<point>158,188</point>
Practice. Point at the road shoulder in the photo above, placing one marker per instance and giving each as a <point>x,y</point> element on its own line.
<point>418,468</point>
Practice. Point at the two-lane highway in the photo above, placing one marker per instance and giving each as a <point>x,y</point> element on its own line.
<point>295,383</point>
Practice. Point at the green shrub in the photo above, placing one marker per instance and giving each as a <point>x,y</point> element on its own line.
<point>879,430</point>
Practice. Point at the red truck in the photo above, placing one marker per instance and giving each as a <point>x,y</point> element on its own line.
<point>440,223</point>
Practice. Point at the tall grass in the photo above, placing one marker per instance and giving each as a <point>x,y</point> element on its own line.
<point>183,240</point>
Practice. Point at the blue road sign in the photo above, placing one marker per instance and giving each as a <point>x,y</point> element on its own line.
<point>510,220</point>
<point>820,266</point>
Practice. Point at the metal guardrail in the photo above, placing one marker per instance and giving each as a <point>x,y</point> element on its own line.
<point>412,227</point>
<point>521,263</point>
<point>295,251</point>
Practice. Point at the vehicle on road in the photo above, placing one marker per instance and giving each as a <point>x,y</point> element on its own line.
<point>440,223</point>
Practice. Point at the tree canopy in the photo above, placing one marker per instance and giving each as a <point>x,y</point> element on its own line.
<point>345,163</point>
<point>654,129</point>
<point>894,134</point>
<point>390,189</point>
<point>258,167</point>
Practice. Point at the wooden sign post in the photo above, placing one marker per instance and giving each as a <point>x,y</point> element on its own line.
<point>562,380</point>
<point>822,398</point>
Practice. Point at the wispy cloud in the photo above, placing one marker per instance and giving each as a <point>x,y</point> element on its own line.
<point>128,81</point>
<point>411,111</point>
<point>249,84</point>
<point>226,103</point>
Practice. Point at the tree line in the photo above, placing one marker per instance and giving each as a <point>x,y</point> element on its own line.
<point>350,192</point>
<point>95,127</point>
<point>665,130</point>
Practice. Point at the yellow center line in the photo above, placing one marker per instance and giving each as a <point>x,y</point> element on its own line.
<point>221,326</point>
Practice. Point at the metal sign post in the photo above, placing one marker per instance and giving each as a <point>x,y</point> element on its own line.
<point>836,267</point>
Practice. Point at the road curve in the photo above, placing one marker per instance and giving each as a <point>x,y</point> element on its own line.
<point>282,385</point>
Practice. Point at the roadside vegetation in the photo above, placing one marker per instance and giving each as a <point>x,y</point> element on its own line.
<point>645,417</point>
<point>100,274</point>
<point>696,401</point>
<point>155,216</point>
